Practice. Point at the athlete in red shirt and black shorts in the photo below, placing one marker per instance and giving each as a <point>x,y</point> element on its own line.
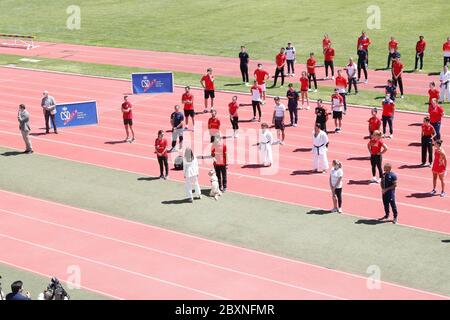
<point>376,148</point>
<point>207,82</point>
<point>428,134</point>
<point>127,113</point>
<point>388,115</point>
<point>187,99</point>
<point>311,68</point>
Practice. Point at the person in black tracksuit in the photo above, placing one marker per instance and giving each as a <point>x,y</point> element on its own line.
<point>362,62</point>
<point>321,116</point>
<point>293,97</point>
<point>244,59</point>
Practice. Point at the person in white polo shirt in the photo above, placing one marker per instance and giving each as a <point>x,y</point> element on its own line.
<point>336,176</point>
<point>337,104</point>
<point>278,119</point>
<point>351,74</point>
<point>444,79</point>
<point>290,59</point>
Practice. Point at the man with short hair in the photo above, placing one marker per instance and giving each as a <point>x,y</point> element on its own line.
<point>362,63</point>
<point>397,71</point>
<point>127,113</point>
<point>243,64</point>
<point>388,185</point>
<point>420,50</point>
<point>207,82</point>
<point>177,122</point>
<point>341,85</point>
<point>213,125</point>
<point>219,154</point>
<point>351,74</point>
<point>24,126</point>
<point>293,97</point>
<point>17,293</point>
<point>278,119</point>
<point>280,61</point>
<point>444,79</point>
<point>187,99</point>
<point>446,50</point>
<point>48,105</point>
<point>392,48</point>
<point>364,41</point>
<point>290,59</point>
<point>311,67</point>
<point>329,57</point>
<point>261,76</point>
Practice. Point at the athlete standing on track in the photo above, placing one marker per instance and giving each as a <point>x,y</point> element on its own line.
<point>444,79</point>
<point>304,89</point>
<point>336,105</point>
<point>364,41</point>
<point>329,57</point>
<point>436,112</point>
<point>321,115</point>
<point>214,125</point>
<point>243,64</point>
<point>127,113</point>
<point>388,116</point>
<point>290,59</point>
<point>278,119</point>
<point>392,48</point>
<point>257,94</point>
<point>341,85</point>
<point>351,74</point>
<point>376,148</point>
<point>261,76</point>
<point>293,97</point>
<point>177,123</point>
<point>428,134</point>
<point>280,61</point>
<point>433,92</point>
<point>207,82</point>
<point>420,51</point>
<point>397,71</point>
<point>48,105</point>
<point>439,167</point>
<point>388,185</point>
<point>234,117</point>
<point>161,153</point>
<point>362,63</point>
<point>188,101</point>
<point>311,67</point>
<point>374,122</point>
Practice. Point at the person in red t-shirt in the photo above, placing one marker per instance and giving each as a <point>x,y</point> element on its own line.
<point>388,115</point>
<point>326,41</point>
<point>213,125</point>
<point>280,61</point>
<point>433,92</point>
<point>219,154</point>
<point>161,154</point>
<point>261,76</point>
<point>376,148</point>
<point>341,85</point>
<point>187,99</point>
<point>207,82</point>
<point>127,113</point>
<point>446,50</point>
<point>420,50</point>
<point>439,168</point>
<point>428,134</point>
<point>364,41</point>
<point>304,82</point>
<point>374,122</point>
<point>329,57</point>
<point>436,112</point>
<point>234,117</point>
<point>392,48</point>
<point>397,71</point>
<point>311,67</point>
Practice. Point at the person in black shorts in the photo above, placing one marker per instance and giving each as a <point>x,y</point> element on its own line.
<point>321,115</point>
<point>207,82</point>
<point>243,60</point>
<point>187,99</point>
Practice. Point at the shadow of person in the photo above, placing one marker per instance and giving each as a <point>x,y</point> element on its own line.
<point>148,178</point>
<point>177,201</point>
<point>420,195</point>
<point>319,212</point>
<point>11,153</point>
<point>371,222</point>
<point>445,241</point>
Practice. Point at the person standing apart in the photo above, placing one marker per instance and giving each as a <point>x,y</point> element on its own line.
<point>329,57</point>
<point>362,63</point>
<point>213,125</point>
<point>446,51</point>
<point>280,61</point>
<point>336,105</point>
<point>219,154</point>
<point>304,83</point>
<point>397,71</point>
<point>321,115</point>
<point>177,123</point>
<point>278,119</point>
<point>391,90</point>
<point>257,96</point>
<point>127,114</point>
<point>326,41</point>
<point>351,74</point>
<point>433,92</point>
<point>319,150</point>
<point>336,176</point>
<point>190,170</point>
<point>261,76</point>
<point>161,154</point>
<point>290,59</point>
<point>234,117</point>
<point>392,48</point>
<point>265,145</point>
<point>48,105</point>
<point>311,67</point>
<point>341,85</point>
<point>439,167</point>
<point>444,79</point>
<point>420,51</point>
<point>293,98</point>
<point>388,185</point>
<point>436,112</point>
<point>376,148</point>
<point>388,116</point>
<point>374,122</point>
<point>207,82</point>
<point>187,99</point>
<point>428,134</point>
<point>243,64</point>
<point>364,41</point>
<point>24,126</point>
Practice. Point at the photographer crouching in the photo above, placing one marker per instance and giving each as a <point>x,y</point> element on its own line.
<point>54,291</point>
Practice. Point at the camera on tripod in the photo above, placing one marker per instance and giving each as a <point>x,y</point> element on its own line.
<point>55,291</point>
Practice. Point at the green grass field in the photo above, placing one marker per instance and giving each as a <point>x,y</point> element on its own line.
<point>215,27</point>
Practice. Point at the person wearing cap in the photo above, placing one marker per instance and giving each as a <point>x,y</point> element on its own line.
<point>290,59</point>
<point>278,119</point>
<point>207,82</point>
<point>388,185</point>
<point>319,150</point>
<point>24,126</point>
<point>48,105</point>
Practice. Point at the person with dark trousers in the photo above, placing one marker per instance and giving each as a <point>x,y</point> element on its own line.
<point>48,105</point>
<point>280,61</point>
<point>329,54</point>
<point>446,51</point>
<point>311,68</point>
<point>17,293</point>
<point>243,64</point>
<point>351,75</point>
<point>161,153</point>
<point>177,122</point>
<point>362,63</point>
<point>388,116</point>
<point>428,134</point>
<point>436,112</point>
<point>364,41</point>
<point>234,116</point>
<point>388,185</point>
<point>376,148</point>
<point>391,90</point>
<point>219,154</point>
<point>290,59</point>
<point>420,50</point>
<point>397,71</point>
<point>392,49</point>
<point>214,125</point>
<point>257,97</point>
<point>321,115</point>
<point>293,98</point>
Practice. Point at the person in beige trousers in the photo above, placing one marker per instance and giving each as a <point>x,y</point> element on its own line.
<point>23,117</point>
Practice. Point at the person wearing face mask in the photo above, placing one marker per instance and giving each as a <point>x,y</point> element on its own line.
<point>265,145</point>
<point>319,150</point>
<point>336,177</point>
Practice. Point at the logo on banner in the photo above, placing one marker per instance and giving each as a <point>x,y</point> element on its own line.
<point>67,116</point>
<point>147,84</point>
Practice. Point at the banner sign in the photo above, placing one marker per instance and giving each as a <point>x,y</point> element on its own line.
<point>152,82</point>
<point>76,114</point>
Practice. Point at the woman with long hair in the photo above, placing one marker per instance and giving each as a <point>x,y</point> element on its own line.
<point>336,176</point>
<point>439,166</point>
<point>161,145</point>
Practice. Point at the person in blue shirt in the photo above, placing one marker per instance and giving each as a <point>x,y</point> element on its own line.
<point>388,184</point>
<point>177,122</point>
<point>17,292</point>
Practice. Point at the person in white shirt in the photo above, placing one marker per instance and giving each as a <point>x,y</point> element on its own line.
<point>351,74</point>
<point>290,59</point>
<point>190,169</point>
<point>444,79</point>
<point>319,150</point>
<point>336,176</point>
<point>278,119</point>
<point>265,145</point>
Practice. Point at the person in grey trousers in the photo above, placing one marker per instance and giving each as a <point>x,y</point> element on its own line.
<point>48,105</point>
<point>24,125</point>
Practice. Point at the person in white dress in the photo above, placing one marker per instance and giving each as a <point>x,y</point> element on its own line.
<point>319,150</point>
<point>336,176</point>
<point>265,145</point>
<point>444,79</point>
<point>190,169</point>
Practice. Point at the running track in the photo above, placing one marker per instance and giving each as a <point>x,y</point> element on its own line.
<point>88,145</point>
<point>414,83</point>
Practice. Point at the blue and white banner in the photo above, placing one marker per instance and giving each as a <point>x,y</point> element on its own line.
<point>76,114</point>
<point>152,82</point>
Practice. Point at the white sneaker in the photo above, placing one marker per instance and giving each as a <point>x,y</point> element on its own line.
<point>366,81</point>
<point>374,179</point>
<point>332,78</point>
<point>339,210</point>
<point>315,90</point>
<point>402,97</point>
<point>236,135</point>
<point>309,90</point>
<point>294,125</point>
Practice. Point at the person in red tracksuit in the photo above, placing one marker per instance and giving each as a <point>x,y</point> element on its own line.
<point>439,168</point>
<point>280,61</point>
<point>436,112</point>
<point>311,67</point>
<point>420,50</point>
<point>433,92</point>
<point>329,57</point>
<point>219,154</point>
<point>374,122</point>
<point>392,48</point>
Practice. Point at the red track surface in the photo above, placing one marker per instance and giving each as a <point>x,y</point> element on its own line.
<point>88,145</point>
<point>414,83</point>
